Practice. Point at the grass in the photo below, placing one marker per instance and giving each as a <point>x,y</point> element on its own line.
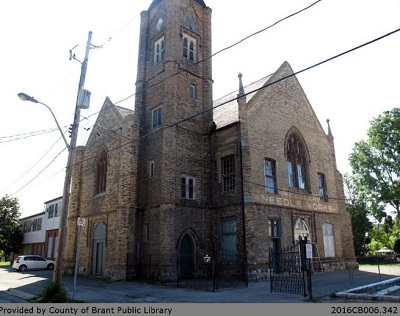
<point>381,264</point>
<point>4,264</point>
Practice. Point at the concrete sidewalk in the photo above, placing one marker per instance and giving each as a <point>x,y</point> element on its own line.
<point>324,286</point>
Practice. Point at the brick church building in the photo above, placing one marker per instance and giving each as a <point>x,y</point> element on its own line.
<point>184,179</point>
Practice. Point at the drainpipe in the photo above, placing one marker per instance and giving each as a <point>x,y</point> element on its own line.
<point>243,208</point>
<point>241,99</point>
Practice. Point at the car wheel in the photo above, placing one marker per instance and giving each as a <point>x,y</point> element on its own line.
<point>50,266</point>
<point>23,268</point>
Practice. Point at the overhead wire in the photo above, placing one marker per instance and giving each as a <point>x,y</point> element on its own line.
<point>251,92</point>
<point>42,132</point>
<point>16,137</point>
<point>260,31</point>
<point>33,166</point>
<point>294,74</point>
<point>47,166</point>
<point>218,52</point>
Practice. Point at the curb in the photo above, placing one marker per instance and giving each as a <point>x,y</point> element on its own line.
<point>20,294</point>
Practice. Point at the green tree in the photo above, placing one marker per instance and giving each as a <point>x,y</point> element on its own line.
<point>376,164</point>
<point>359,212</point>
<point>10,234</point>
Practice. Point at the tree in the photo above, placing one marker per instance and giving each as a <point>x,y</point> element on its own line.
<point>396,246</point>
<point>10,234</point>
<point>376,164</point>
<point>359,212</point>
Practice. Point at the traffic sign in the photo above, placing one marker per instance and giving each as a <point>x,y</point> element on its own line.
<point>80,221</point>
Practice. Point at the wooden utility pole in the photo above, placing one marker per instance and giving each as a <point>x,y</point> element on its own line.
<point>62,235</point>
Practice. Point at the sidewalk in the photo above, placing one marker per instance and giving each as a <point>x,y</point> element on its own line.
<point>98,291</point>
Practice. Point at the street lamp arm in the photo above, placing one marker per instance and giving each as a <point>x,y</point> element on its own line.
<point>58,125</point>
<point>25,97</point>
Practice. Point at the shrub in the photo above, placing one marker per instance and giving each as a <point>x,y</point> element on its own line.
<point>53,293</point>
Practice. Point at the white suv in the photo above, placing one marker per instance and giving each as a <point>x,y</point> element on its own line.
<point>23,263</point>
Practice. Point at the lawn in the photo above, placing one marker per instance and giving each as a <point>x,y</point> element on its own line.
<point>381,264</point>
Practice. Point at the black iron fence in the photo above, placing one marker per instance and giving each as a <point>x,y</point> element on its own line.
<point>211,273</point>
<point>290,269</point>
<point>201,272</point>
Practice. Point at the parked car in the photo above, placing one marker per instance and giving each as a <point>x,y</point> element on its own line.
<point>23,263</point>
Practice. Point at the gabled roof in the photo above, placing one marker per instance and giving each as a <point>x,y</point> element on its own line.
<point>124,111</point>
<point>155,2</point>
<point>226,109</point>
<point>102,122</point>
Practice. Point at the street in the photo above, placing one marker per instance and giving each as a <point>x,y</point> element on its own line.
<point>31,281</point>
<point>19,287</point>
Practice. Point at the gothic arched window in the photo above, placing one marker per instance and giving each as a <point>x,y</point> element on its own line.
<point>301,230</point>
<point>296,163</point>
<point>101,173</point>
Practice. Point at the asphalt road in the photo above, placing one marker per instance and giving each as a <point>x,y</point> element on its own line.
<point>31,283</point>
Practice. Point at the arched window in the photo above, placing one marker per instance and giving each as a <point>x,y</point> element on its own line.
<point>296,163</point>
<point>301,230</point>
<point>101,173</point>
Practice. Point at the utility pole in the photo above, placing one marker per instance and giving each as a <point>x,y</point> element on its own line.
<point>62,236</point>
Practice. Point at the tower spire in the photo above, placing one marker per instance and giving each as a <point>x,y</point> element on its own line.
<point>329,129</point>
<point>241,88</point>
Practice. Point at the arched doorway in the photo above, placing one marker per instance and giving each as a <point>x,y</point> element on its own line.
<point>186,257</point>
<point>98,249</point>
<point>301,230</point>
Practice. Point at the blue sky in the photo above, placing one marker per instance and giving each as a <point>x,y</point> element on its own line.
<point>37,37</point>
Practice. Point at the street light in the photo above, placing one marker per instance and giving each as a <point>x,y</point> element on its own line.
<point>71,153</point>
<point>67,184</point>
<point>25,97</point>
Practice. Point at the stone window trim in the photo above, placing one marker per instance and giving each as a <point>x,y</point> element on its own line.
<point>274,228</point>
<point>156,117</point>
<point>189,47</point>
<point>322,188</point>
<point>101,172</point>
<point>159,50</point>
<point>192,91</point>
<point>270,175</point>
<point>328,232</point>
<point>302,228</point>
<point>222,152</point>
<point>228,173</point>
<point>296,162</point>
<point>188,187</point>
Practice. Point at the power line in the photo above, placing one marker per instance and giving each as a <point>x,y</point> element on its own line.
<point>255,90</point>
<point>224,49</point>
<point>260,31</point>
<point>25,135</point>
<point>34,165</point>
<point>251,92</point>
<point>48,165</point>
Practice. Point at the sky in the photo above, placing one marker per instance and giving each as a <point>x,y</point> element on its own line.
<point>37,36</point>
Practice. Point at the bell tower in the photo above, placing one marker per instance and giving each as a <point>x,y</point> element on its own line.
<point>174,109</point>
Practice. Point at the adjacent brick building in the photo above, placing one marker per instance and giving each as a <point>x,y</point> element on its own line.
<point>183,179</point>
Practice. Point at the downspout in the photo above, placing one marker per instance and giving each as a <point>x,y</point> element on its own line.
<point>243,208</point>
<point>241,99</point>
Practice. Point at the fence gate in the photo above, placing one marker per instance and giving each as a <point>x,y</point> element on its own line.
<point>210,273</point>
<point>289,270</point>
